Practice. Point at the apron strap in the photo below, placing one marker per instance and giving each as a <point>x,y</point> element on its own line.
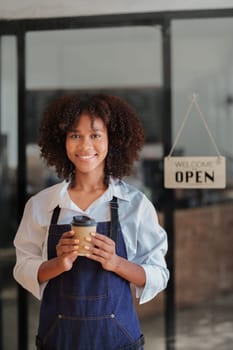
<point>114,219</point>
<point>55,215</point>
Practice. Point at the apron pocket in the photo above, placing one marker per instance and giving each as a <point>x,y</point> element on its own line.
<point>92,333</point>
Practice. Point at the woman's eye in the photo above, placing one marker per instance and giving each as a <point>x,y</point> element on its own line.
<point>96,136</point>
<point>74,136</point>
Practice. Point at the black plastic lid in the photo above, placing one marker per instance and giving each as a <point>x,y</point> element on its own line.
<point>82,220</point>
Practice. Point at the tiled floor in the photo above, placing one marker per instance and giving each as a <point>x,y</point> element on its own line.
<point>208,326</point>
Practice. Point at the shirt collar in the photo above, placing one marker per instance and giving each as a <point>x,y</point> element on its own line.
<point>117,188</point>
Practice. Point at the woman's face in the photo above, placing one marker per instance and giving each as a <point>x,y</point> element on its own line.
<point>87,145</point>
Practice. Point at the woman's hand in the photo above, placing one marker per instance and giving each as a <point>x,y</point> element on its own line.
<point>102,250</point>
<point>67,253</point>
<point>67,250</point>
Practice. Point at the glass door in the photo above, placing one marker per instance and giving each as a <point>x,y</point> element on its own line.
<point>8,193</point>
<point>125,61</point>
<point>202,59</point>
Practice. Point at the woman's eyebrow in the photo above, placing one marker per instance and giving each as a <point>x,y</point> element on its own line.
<point>97,129</point>
<point>92,129</point>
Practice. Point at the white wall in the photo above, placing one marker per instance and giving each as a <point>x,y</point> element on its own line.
<point>90,58</point>
<point>56,8</point>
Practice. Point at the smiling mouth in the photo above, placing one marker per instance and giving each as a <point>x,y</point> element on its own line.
<point>87,157</point>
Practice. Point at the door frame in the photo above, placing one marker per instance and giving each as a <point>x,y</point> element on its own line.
<point>19,28</point>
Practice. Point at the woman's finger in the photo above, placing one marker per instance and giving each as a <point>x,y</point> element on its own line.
<point>102,242</point>
<point>67,244</point>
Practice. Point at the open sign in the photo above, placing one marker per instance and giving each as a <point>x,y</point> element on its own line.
<point>195,172</point>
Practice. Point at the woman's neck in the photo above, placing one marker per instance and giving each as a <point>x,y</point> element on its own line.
<point>85,190</point>
<point>88,183</point>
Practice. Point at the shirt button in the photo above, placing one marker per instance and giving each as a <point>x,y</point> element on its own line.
<point>59,316</point>
<point>112,316</point>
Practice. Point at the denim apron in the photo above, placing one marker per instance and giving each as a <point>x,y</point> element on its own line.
<point>88,308</point>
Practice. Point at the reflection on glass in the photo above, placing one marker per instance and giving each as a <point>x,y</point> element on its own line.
<point>121,61</point>
<point>202,63</point>
<point>39,175</point>
<point>8,195</point>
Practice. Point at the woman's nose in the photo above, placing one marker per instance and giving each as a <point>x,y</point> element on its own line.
<point>86,142</point>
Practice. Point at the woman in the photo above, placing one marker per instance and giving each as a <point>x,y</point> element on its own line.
<point>92,141</point>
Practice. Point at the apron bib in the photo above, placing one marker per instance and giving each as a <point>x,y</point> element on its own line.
<point>88,308</point>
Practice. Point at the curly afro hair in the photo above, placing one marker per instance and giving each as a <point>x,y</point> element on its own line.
<point>125,132</point>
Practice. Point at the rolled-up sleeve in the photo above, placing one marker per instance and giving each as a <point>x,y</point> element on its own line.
<point>30,253</point>
<point>150,253</point>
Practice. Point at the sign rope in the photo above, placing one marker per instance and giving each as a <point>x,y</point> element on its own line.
<point>195,103</point>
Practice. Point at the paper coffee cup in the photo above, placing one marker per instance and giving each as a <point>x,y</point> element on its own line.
<point>83,226</point>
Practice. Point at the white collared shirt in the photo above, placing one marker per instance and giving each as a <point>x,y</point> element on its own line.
<point>145,239</point>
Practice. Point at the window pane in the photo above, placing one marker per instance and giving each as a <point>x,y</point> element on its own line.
<point>120,61</point>
<point>8,195</point>
<point>202,61</point>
